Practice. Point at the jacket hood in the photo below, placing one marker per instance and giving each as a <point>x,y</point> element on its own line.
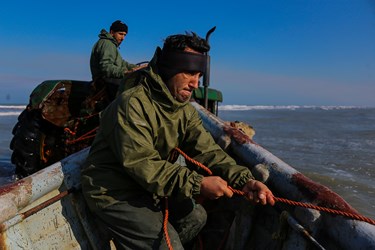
<point>158,88</point>
<point>105,35</point>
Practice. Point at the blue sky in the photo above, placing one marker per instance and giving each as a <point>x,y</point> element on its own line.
<point>270,52</point>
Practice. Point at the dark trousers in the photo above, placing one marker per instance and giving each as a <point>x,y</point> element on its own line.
<point>138,224</point>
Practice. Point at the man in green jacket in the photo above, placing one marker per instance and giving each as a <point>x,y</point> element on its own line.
<point>128,170</point>
<point>106,64</point>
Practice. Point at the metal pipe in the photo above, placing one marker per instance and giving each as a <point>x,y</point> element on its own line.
<point>206,76</point>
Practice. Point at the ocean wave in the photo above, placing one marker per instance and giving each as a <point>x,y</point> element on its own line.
<point>11,110</point>
<point>10,113</point>
<point>286,107</point>
<point>12,106</point>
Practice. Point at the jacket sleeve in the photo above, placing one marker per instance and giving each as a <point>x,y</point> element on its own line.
<point>132,141</point>
<point>128,66</point>
<point>111,64</point>
<point>202,147</point>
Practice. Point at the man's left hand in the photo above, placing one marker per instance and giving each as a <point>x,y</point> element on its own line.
<point>257,192</point>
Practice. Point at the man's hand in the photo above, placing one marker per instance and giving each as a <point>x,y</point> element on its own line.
<point>137,68</point>
<point>214,187</point>
<point>257,192</point>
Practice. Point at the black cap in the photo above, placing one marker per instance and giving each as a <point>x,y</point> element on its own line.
<point>118,26</point>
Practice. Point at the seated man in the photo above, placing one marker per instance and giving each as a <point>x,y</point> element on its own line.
<point>128,171</point>
<point>106,64</point>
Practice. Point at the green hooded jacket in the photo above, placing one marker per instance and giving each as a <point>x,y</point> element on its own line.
<point>138,131</point>
<point>106,60</point>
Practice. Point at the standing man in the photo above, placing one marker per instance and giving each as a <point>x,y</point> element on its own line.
<point>128,169</point>
<point>106,64</point>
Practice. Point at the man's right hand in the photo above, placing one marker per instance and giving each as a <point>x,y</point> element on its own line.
<point>136,68</point>
<point>214,187</point>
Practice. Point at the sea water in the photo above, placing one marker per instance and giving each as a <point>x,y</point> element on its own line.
<point>334,146</point>
<point>8,118</point>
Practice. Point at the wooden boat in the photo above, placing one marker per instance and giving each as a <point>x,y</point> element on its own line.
<point>46,210</point>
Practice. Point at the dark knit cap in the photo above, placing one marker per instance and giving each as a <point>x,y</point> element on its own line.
<point>118,26</point>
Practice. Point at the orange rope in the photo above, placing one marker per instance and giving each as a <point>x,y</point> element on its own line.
<point>290,202</point>
<point>328,210</point>
<point>67,130</point>
<point>319,208</point>
<point>88,116</point>
<point>165,224</point>
<point>83,137</point>
<point>197,163</point>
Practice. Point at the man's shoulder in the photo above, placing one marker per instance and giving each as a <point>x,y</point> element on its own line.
<point>131,80</point>
<point>104,34</point>
<point>135,100</point>
<point>106,42</point>
<point>103,45</point>
<point>136,92</point>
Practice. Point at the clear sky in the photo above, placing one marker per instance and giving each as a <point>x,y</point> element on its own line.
<point>270,52</point>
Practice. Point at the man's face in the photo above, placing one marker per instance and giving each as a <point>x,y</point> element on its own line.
<point>182,84</point>
<point>119,36</point>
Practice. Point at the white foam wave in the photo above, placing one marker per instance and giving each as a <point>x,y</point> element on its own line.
<point>11,110</point>
<point>12,106</point>
<point>10,113</point>
<point>287,107</point>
